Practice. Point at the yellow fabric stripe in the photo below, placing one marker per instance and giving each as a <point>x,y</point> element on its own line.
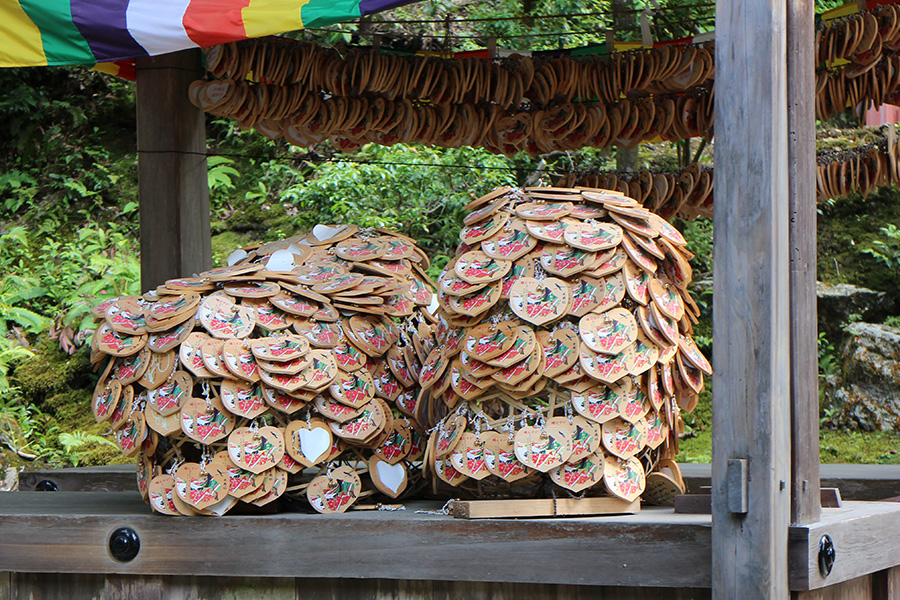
<point>21,45</point>
<point>850,8</point>
<point>265,17</point>
<point>108,68</point>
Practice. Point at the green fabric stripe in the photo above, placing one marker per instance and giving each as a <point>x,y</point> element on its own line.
<point>320,13</point>
<point>63,43</point>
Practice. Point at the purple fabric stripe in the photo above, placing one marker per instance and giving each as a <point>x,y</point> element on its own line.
<point>103,25</point>
<point>368,7</point>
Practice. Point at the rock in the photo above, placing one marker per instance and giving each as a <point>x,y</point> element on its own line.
<point>10,481</point>
<point>866,394</point>
<point>836,303</point>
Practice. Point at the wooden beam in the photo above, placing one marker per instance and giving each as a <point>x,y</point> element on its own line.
<point>172,175</point>
<point>751,356</point>
<point>805,506</point>
<point>653,549</point>
<point>866,538</point>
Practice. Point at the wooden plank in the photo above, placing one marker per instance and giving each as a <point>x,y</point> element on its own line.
<point>456,590</point>
<point>56,586</point>
<point>866,537</point>
<point>659,548</point>
<point>861,588</point>
<point>544,507</point>
<point>805,499</point>
<point>830,498</point>
<point>5,578</point>
<point>107,478</point>
<point>701,504</point>
<point>693,504</point>
<point>886,584</point>
<point>855,589</point>
<point>751,326</point>
<point>237,588</point>
<point>172,174</point>
<point>856,482</point>
<point>145,587</point>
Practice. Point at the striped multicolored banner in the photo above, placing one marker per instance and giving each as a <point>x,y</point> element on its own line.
<point>84,32</point>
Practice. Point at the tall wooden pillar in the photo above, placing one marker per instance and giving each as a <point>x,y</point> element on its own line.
<point>751,476</point>
<point>805,496</point>
<point>172,175</point>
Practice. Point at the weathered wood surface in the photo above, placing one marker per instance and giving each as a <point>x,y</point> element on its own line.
<point>702,503</point>
<point>107,478</point>
<point>751,325</point>
<point>801,122</point>
<point>544,507</point>
<point>654,548</point>
<point>886,584</point>
<point>29,586</point>
<point>866,538</point>
<point>855,482</point>
<point>172,176</point>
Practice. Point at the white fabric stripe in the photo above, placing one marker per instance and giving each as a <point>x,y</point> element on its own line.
<point>157,25</point>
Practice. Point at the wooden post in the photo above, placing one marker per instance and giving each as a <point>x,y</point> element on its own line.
<point>886,584</point>
<point>174,193</point>
<point>805,498</point>
<point>751,328</point>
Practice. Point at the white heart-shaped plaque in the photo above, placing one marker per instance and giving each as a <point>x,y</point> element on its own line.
<point>324,232</point>
<point>237,256</point>
<point>281,260</point>
<point>390,479</point>
<point>314,443</point>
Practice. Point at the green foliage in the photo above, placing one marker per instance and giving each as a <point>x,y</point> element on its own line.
<point>699,235</point>
<point>422,202</point>
<point>887,252</point>
<point>221,175</point>
<point>828,363</point>
<point>65,276</point>
<point>850,226</point>
<point>74,444</point>
<point>892,321</point>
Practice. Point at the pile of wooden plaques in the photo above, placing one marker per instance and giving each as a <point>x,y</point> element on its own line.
<point>564,350</point>
<point>292,370</point>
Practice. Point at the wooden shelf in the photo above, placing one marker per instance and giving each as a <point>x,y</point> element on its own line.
<point>67,532</point>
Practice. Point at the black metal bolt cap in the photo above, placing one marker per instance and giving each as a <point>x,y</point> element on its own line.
<point>826,555</point>
<point>46,485</point>
<point>124,544</point>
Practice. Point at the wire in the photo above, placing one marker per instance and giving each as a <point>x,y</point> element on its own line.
<point>325,159</point>
<point>465,37</point>
<point>531,17</point>
<point>453,36</point>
